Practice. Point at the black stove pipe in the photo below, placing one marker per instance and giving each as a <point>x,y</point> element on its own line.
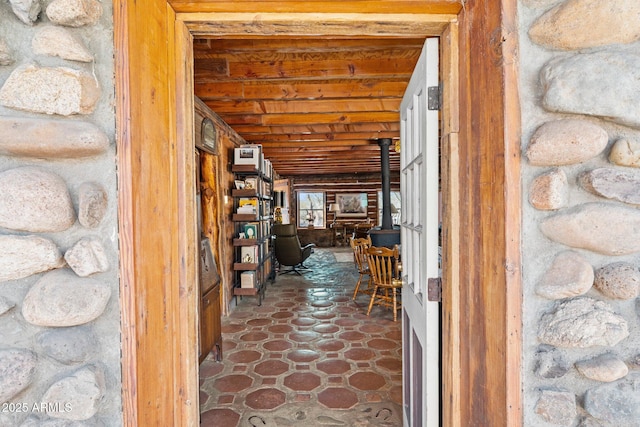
<point>387,234</point>
<point>387,223</point>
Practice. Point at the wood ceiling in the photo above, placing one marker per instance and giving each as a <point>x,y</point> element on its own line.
<point>316,105</point>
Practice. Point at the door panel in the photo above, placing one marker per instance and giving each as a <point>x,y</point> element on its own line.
<point>419,186</point>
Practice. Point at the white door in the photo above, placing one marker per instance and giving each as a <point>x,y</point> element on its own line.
<point>419,166</point>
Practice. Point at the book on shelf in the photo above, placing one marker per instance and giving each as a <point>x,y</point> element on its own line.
<point>248,154</point>
<point>247,205</point>
<point>251,230</point>
<point>251,183</point>
<point>248,279</point>
<point>249,254</point>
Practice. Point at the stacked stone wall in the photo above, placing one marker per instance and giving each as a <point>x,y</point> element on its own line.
<point>580,93</point>
<point>59,305</point>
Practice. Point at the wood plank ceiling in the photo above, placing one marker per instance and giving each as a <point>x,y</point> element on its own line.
<point>316,105</point>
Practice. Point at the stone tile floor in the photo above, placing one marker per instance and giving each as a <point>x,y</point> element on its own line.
<point>309,356</point>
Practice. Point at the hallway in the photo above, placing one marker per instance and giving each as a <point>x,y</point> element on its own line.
<point>309,356</point>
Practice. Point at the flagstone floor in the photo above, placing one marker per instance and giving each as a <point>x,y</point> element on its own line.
<point>308,356</point>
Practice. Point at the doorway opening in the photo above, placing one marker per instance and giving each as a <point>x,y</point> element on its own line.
<point>168,212</point>
<point>309,151</point>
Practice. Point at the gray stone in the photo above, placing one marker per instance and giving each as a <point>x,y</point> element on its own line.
<point>92,204</point>
<point>57,41</point>
<point>619,280</point>
<point>582,323</point>
<point>605,368</point>
<point>550,362</point>
<point>591,422</point>
<point>48,138</point>
<point>549,190</point>
<point>74,13</point>
<point>566,142</point>
<point>557,407</point>
<point>23,256</point>
<point>580,24</point>
<point>604,84</point>
<point>604,228</point>
<point>69,345</point>
<point>540,3</point>
<point>87,257</point>
<point>60,298</point>
<point>34,199</point>
<point>6,58</point>
<point>34,421</point>
<point>26,10</point>
<point>50,90</point>
<point>5,305</point>
<point>570,275</point>
<point>82,392</point>
<point>17,368</point>
<point>621,185</point>
<point>625,152</point>
<point>617,403</point>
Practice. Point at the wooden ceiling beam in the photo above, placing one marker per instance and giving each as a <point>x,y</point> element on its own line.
<point>280,149</point>
<point>319,137</point>
<point>319,128</point>
<point>304,106</point>
<point>310,119</point>
<point>209,89</point>
<point>222,45</point>
<point>317,171</point>
<point>335,53</point>
<point>305,70</point>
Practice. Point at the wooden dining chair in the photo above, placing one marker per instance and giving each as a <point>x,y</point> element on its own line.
<point>384,265</point>
<point>359,247</point>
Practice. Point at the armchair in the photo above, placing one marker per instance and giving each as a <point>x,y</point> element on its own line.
<point>289,252</point>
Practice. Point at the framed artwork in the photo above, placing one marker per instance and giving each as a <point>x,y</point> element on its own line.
<point>353,205</point>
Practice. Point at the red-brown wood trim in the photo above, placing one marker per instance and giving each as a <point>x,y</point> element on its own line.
<point>490,206</point>
<point>449,7</point>
<point>157,254</point>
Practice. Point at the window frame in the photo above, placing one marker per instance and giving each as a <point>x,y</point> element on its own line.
<point>321,216</point>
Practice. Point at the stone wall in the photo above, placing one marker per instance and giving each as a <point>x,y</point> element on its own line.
<point>580,92</point>
<point>59,306</point>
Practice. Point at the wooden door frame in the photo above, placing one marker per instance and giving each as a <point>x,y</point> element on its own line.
<point>156,207</point>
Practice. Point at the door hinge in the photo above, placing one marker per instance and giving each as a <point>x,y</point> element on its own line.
<point>434,97</point>
<point>434,289</point>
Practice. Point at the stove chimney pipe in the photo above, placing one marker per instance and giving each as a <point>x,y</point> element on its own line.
<point>387,234</point>
<point>384,144</point>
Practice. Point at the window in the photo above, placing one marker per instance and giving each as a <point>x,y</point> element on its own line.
<point>311,209</point>
<point>396,207</point>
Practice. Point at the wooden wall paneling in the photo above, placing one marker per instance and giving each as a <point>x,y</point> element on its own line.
<point>187,300</point>
<point>220,167</point>
<point>213,187</point>
<point>489,204</point>
<point>451,238</point>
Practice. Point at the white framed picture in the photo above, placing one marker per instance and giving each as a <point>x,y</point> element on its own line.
<point>352,205</point>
